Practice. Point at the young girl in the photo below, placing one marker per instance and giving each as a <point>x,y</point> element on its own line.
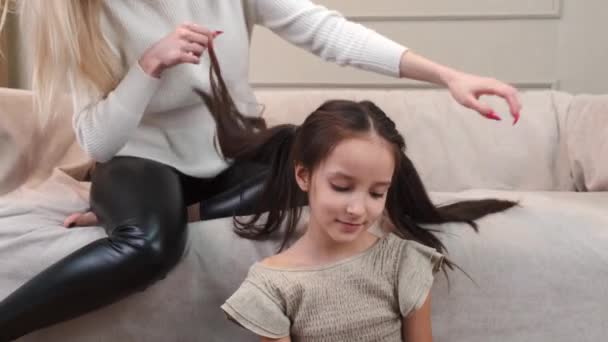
<point>341,280</point>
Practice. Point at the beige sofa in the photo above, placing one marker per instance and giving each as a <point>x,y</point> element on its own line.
<point>540,271</point>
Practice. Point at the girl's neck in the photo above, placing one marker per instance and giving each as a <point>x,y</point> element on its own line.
<point>321,249</point>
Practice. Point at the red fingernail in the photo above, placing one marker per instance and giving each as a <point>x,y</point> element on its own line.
<point>493,116</point>
<point>217,33</point>
<point>517,115</point>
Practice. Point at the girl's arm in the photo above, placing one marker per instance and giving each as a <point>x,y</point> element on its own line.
<point>417,325</point>
<point>283,339</point>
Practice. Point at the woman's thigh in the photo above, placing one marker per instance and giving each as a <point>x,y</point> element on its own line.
<point>137,191</point>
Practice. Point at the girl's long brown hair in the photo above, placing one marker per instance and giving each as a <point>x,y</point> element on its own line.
<point>247,138</point>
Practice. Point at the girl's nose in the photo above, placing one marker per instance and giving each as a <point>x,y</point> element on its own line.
<point>355,208</point>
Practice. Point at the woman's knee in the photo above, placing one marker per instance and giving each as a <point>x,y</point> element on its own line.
<point>151,252</point>
<point>141,206</point>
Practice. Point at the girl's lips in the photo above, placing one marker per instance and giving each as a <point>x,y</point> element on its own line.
<point>349,225</point>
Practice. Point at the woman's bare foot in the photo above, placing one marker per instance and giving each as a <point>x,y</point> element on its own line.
<point>81,220</point>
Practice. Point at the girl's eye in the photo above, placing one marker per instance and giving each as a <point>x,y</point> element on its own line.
<point>339,188</point>
<point>376,195</point>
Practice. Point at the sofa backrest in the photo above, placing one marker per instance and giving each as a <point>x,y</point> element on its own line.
<point>453,147</point>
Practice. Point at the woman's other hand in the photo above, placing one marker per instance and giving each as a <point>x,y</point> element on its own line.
<point>466,89</point>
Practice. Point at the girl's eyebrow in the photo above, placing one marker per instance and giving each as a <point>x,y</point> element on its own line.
<point>343,175</point>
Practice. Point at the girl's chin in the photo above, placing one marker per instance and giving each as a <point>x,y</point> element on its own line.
<point>346,233</point>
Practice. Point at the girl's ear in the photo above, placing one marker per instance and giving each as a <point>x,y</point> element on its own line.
<point>302,177</point>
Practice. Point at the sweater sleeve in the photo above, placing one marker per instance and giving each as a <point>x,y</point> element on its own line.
<point>329,35</point>
<point>104,126</point>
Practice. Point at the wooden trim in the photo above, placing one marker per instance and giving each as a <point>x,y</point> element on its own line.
<point>541,84</point>
<point>4,58</point>
<point>555,12</point>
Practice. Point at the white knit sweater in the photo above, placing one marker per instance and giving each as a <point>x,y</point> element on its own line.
<point>162,119</point>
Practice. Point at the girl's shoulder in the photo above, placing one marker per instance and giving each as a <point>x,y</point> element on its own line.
<point>413,254</point>
<point>283,259</point>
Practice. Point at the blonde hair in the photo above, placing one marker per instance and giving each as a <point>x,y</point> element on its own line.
<point>66,41</point>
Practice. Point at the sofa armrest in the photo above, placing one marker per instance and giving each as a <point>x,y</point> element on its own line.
<point>586,134</point>
<point>29,154</point>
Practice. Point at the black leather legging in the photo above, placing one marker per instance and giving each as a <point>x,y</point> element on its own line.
<point>142,206</point>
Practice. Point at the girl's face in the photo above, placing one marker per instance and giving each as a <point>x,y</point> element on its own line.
<point>347,191</point>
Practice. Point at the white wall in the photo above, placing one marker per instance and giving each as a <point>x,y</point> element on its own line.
<point>583,47</point>
<point>530,43</point>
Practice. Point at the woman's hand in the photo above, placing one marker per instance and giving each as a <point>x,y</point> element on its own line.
<point>184,45</point>
<point>466,89</point>
<point>81,220</point>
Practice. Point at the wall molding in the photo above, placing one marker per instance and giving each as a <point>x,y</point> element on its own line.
<point>547,84</point>
<point>3,58</point>
<point>554,13</point>
<point>7,55</point>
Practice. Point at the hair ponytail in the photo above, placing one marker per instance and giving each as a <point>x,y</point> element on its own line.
<point>248,139</point>
<point>408,205</point>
